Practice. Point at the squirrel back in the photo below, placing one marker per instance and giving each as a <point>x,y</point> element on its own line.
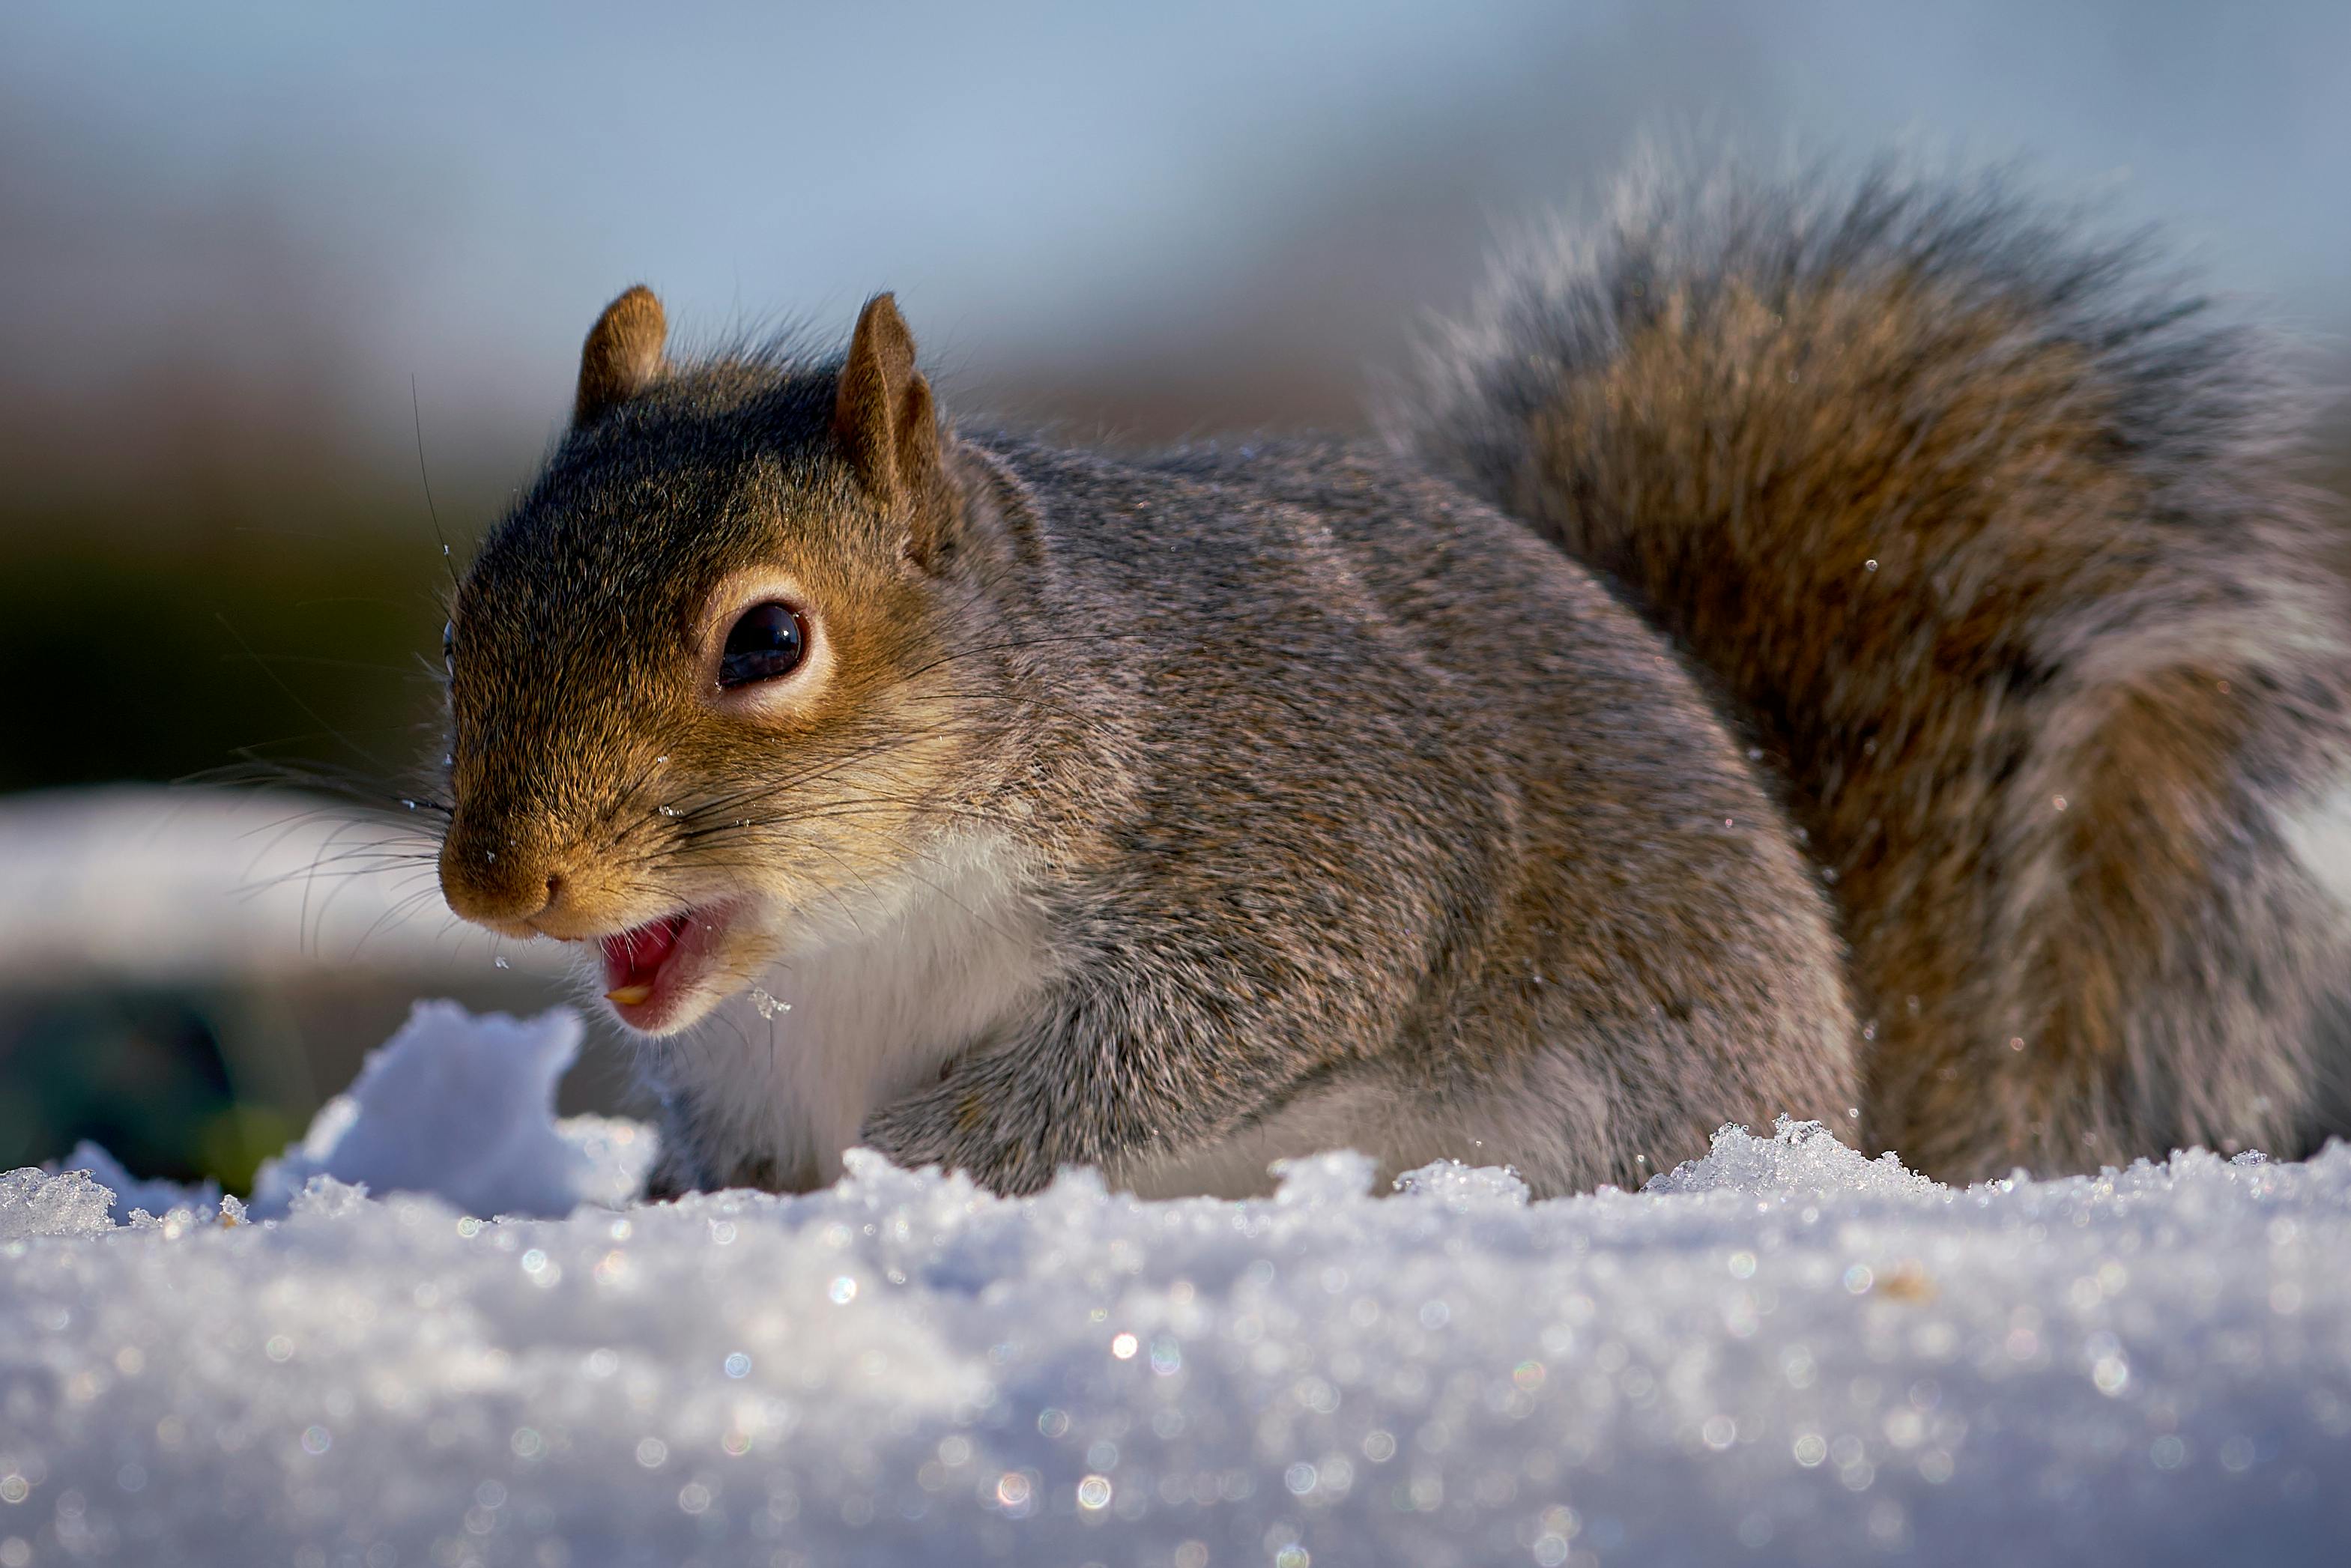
<point>1991,538</point>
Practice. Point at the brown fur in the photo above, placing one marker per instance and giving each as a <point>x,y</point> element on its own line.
<point>2040,678</point>
<point>621,356</point>
<point>884,422</point>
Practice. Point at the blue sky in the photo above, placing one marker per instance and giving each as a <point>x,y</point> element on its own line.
<point>464,184</point>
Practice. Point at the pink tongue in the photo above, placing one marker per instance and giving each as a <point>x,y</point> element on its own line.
<point>635,958</point>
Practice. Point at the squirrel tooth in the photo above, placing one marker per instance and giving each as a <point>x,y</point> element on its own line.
<point>628,996</point>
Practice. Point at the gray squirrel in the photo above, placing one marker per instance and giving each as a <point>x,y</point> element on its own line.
<point>1849,650</point>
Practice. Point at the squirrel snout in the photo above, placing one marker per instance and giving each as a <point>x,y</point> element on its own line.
<point>525,887</point>
<point>509,887</point>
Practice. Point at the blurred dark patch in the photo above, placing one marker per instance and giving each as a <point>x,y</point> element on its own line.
<point>188,1082</point>
<point>161,655</point>
<point>141,1074</point>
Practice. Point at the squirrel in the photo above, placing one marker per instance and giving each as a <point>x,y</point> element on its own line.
<point>1849,650</point>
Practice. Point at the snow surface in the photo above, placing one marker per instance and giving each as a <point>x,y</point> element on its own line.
<point>1783,1351</point>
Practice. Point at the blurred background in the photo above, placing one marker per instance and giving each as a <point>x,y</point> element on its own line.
<point>291,296</point>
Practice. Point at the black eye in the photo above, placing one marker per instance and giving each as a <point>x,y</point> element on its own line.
<point>449,642</point>
<point>766,643</point>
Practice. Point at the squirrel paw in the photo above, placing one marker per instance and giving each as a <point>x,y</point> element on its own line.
<point>953,1125</point>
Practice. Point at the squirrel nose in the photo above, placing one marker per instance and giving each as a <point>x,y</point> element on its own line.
<point>496,885</point>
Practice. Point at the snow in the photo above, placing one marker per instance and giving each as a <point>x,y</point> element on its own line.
<point>1781,1353</point>
<point>454,1105</point>
<point>459,1106</point>
<point>231,886</point>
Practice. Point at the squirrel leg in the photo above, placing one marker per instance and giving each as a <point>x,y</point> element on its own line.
<point>675,1171</point>
<point>1119,1071</point>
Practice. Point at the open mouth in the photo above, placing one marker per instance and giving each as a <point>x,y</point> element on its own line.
<point>653,973</point>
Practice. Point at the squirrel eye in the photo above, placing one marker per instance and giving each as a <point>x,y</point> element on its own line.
<point>449,642</point>
<point>765,642</point>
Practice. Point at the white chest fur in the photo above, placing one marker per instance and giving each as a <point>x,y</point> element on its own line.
<point>2320,835</point>
<point>870,1000</point>
<point>875,996</point>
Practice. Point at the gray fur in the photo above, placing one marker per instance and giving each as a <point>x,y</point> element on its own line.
<point>2220,567</point>
<point>1345,796</point>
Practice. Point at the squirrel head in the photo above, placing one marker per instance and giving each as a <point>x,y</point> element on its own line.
<point>721,670</point>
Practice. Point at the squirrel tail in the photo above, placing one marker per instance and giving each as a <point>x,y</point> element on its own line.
<point>1990,538</point>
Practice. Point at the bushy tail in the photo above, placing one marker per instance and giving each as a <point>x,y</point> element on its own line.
<point>1990,538</point>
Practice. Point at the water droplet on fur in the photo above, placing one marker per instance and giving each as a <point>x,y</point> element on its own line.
<point>767,1005</point>
<point>500,962</point>
<point>1870,564</point>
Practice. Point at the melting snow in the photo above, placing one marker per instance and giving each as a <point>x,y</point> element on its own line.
<point>1783,1351</point>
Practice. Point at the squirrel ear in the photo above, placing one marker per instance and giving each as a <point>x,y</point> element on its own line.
<point>623,355</point>
<point>888,427</point>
